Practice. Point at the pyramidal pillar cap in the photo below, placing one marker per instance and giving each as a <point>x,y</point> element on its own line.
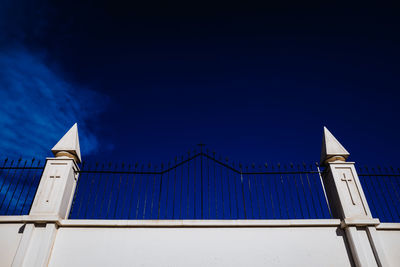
<point>332,150</point>
<point>68,146</point>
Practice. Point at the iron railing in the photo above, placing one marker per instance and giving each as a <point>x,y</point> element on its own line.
<point>19,180</point>
<point>199,185</point>
<point>382,189</point>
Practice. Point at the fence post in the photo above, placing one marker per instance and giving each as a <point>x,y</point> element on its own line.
<point>348,203</point>
<point>51,203</point>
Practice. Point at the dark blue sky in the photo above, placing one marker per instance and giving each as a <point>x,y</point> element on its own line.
<point>254,83</point>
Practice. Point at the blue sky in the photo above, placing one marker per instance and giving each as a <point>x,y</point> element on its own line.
<point>149,83</point>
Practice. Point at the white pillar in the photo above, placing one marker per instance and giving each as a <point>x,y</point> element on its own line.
<point>52,202</point>
<point>348,203</point>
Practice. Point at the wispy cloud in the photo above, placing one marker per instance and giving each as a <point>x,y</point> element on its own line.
<point>37,106</point>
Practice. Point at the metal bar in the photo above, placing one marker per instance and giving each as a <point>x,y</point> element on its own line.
<point>284,195</point>
<point>9,185</point>
<point>201,178</point>
<point>166,198</point>
<point>298,195</point>
<point>119,189</point>
<point>229,194</point>
<point>97,193</point>
<point>188,190</point>
<point>91,189</point>
<point>194,188</point>
<point>125,190</point>
<point>208,189</point>
<point>243,197</point>
<point>291,196</point>
<point>159,195</point>
<point>133,189</point>
<point>23,186</point>
<point>251,199</point>
<point>323,188</point>
<point>139,191</point>
<point>174,194</point>
<point>16,187</point>
<point>263,192</point>
<point>215,191</point>
<point>181,194</point>
<point>236,196</point>
<point>222,193</point>
<point>311,193</point>
<point>145,194</point>
<point>105,189</point>
<point>152,194</point>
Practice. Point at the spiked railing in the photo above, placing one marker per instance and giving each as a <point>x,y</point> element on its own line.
<point>382,189</point>
<point>199,185</point>
<point>19,180</point>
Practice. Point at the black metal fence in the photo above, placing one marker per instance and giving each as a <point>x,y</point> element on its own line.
<point>199,186</point>
<point>382,189</point>
<point>19,180</point>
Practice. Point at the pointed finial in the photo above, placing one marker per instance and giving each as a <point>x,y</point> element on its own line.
<point>332,150</point>
<point>69,145</point>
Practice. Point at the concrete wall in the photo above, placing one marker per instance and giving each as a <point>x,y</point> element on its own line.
<point>390,239</point>
<point>196,243</point>
<point>200,246</point>
<point>10,236</point>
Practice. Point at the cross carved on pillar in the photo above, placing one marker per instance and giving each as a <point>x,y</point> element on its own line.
<point>347,180</point>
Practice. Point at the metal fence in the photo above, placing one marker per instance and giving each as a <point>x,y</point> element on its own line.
<point>382,189</point>
<point>19,180</point>
<point>199,185</point>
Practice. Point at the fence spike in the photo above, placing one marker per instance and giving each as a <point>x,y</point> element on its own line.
<point>266,165</point>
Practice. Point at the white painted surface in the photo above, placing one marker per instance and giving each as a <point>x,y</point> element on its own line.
<point>331,147</point>
<point>390,240</point>
<point>233,246</point>
<point>69,143</point>
<point>9,240</point>
<point>56,188</point>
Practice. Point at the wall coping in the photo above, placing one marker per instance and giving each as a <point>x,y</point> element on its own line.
<point>388,226</point>
<point>171,223</point>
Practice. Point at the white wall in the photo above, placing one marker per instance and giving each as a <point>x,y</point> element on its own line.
<point>241,246</point>
<point>390,240</point>
<point>9,240</point>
